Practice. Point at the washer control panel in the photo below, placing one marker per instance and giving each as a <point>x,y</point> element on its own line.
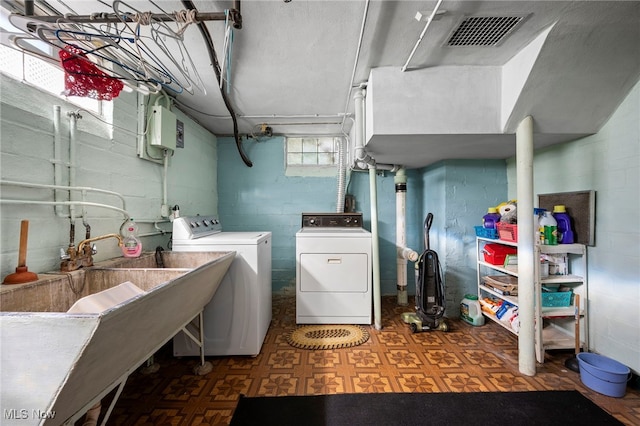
<point>191,227</point>
<point>332,220</point>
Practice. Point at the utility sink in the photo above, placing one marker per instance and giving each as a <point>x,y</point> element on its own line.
<point>60,363</point>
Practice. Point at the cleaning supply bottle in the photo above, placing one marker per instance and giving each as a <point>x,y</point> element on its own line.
<point>490,219</point>
<point>537,233</point>
<point>470,310</point>
<point>548,229</point>
<point>132,246</point>
<point>565,234</point>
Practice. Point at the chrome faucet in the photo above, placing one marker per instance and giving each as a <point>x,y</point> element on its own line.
<point>83,255</point>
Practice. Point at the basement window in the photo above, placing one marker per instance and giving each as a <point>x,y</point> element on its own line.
<point>41,74</point>
<point>311,156</point>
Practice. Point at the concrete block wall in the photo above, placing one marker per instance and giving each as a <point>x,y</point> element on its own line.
<point>609,163</point>
<point>458,193</point>
<point>262,198</point>
<point>106,159</point>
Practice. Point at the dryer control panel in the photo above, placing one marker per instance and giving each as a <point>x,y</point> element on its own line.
<point>332,220</point>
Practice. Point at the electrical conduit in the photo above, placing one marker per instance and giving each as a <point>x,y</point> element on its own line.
<point>424,31</point>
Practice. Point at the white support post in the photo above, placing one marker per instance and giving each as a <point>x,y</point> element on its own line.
<point>526,252</point>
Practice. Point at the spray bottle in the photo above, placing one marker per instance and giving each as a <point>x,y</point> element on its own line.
<point>132,246</point>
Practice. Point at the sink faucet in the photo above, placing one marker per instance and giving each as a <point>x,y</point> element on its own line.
<point>83,255</point>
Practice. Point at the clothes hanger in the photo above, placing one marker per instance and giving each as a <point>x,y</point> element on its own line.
<point>159,32</point>
<point>49,35</point>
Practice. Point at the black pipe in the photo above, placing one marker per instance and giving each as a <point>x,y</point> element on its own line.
<point>216,67</point>
<point>237,16</point>
<point>28,8</point>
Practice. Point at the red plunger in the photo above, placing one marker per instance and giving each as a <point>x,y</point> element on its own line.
<point>22,275</point>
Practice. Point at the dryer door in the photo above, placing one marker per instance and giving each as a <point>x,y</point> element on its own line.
<point>334,272</point>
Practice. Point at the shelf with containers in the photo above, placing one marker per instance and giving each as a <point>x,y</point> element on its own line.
<point>564,322</point>
<point>497,278</point>
<point>497,281</point>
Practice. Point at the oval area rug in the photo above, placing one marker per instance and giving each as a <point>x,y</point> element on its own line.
<point>327,336</point>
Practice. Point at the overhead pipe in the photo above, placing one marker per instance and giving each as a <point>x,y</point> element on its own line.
<point>526,253</point>
<point>66,203</point>
<point>105,18</point>
<point>402,251</point>
<point>424,31</point>
<point>83,189</point>
<point>361,158</point>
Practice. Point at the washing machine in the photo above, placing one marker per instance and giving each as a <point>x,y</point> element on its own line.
<point>333,270</point>
<point>236,319</point>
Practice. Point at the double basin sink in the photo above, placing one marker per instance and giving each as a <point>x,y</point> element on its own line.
<point>69,339</point>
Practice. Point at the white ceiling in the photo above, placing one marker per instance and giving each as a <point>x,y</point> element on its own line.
<point>294,64</point>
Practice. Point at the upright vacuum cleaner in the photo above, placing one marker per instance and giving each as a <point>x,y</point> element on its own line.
<point>430,296</point>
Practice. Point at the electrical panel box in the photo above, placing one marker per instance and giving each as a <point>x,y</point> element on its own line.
<point>163,128</point>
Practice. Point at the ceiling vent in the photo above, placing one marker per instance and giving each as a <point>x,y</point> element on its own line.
<point>476,31</point>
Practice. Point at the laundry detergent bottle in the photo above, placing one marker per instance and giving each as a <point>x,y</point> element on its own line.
<point>490,219</point>
<point>565,234</point>
<point>132,247</point>
<point>470,310</point>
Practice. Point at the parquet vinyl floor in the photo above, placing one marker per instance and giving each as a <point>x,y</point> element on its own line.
<point>464,359</point>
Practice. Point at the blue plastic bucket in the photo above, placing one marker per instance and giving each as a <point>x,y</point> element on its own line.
<point>603,375</point>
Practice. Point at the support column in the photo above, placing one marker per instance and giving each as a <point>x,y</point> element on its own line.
<point>526,253</point>
<point>375,250</point>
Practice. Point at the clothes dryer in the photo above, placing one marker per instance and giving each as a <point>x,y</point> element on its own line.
<point>333,270</point>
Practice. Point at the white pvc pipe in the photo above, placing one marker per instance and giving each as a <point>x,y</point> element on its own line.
<point>83,189</point>
<point>73,128</point>
<point>526,252</point>
<point>66,203</point>
<point>400,181</point>
<point>57,155</point>
<point>165,196</point>
<point>375,250</point>
<point>342,174</point>
<point>360,156</point>
<point>424,31</point>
